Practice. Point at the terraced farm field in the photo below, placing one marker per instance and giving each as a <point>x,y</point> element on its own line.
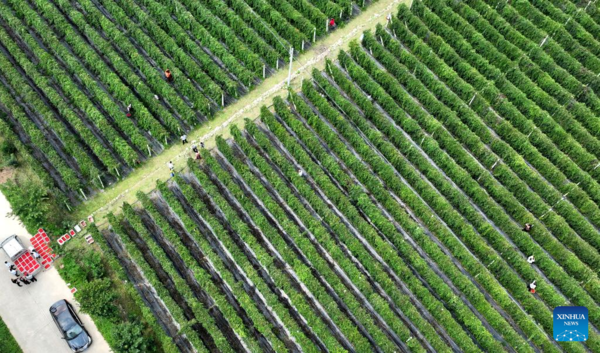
<point>71,68</point>
<point>381,208</point>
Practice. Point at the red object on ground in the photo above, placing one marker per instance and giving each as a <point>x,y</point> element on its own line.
<point>332,22</point>
<point>72,232</point>
<point>40,243</point>
<point>73,290</point>
<point>26,263</point>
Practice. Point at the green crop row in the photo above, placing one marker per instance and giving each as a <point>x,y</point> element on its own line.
<point>320,265</point>
<point>384,170</point>
<point>341,245</point>
<point>35,136</point>
<point>141,260</point>
<point>587,53</point>
<point>78,98</point>
<point>145,89</point>
<point>263,12</point>
<point>466,182</point>
<point>113,83</point>
<point>359,198</point>
<point>562,96</point>
<point>482,96</point>
<point>272,276</point>
<point>227,27</point>
<point>532,200</point>
<point>583,28</point>
<point>229,265</point>
<point>319,321</point>
<point>516,88</point>
<point>69,142</point>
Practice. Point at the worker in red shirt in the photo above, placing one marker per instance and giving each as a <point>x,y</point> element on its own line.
<point>168,75</point>
<point>332,24</point>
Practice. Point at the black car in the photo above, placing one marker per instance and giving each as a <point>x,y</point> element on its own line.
<point>70,326</point>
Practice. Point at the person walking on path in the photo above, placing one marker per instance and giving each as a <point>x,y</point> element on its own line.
<point>171,166</point>
<point>24,280</point>
<point>201,144</point>
<point>183,139</point>
<point>30,277</point>
<point>14,272</point>
<point>194,148</point>
<point>168,75</point>
<point>16,281</point>
<point>9,265</point>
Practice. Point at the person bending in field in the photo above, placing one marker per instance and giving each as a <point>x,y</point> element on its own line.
<point>129,111</point>
<point>168,75</point>
<point>531,259</point>
<point>527,227</point>
<point>332,24</point>
<point>532,287</point>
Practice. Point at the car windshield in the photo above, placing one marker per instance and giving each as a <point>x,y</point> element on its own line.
<point>74,331</point>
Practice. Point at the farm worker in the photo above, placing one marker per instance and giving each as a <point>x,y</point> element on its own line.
<point>8,265</point>
<point>532,287</point>
<point>527,227</point>
<point>16,281</point>
<point>198,156</point>
<point>201,144</point>
<point>389,17</point>
<point>169,75</point>
<point>332,23</point>
<point>183,139</point>
<point>24,280</point>
<point>30,277</point>
<point>172,174</point>
<point>34,253</point>
<point>129,111</point>
<point>300,172</point>
<point>531,259</point>
<point>171,165</point>
<point>194,148</point>
<point>14,272</point>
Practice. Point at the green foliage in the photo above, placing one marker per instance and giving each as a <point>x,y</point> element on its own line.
<point>7,341</point>
<point>29,201</point>
<point>128,337</point>
<point>97,298</point>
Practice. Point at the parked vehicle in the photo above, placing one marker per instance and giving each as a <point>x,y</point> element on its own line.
<point>20,255</point>
<point>70,326</point>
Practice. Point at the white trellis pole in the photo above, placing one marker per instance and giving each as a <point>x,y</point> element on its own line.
<point>290,70</point>
<point>66,204</point>
<point>149,151</point>
<point>101,183</point>
<point>222,99</point>
<point>302,44</point>
<point>315,35</point>
<point>118,174</point>
<point>264,71</point>
<point>83,193</point>
<point>327,25</point>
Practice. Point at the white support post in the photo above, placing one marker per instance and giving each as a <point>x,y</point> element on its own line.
<point>315,35</point>
<point>341,14</point>
<point>101,183</point>
<point>472,99</point>
<point>381,40</point>
<point>83,193</point>
<point>302,44</point>
<point>149,151</point>
<point>264,71</point>
<point>290,70</point>
<point>118,174</point>
<point>222,99</point>
<point>166,142</point>
<point>327,25</point>
<point>68,208</point>
<point>394,32</point>
<point>277,65</point>
<point>544,41</point>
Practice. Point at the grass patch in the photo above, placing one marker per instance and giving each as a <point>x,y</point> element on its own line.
<point>7,341</point>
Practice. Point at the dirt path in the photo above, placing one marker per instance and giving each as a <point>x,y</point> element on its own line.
<point>25,309</point>
<point>143,178</point>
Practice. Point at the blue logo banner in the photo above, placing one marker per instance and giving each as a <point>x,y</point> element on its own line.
<point>570,323</point>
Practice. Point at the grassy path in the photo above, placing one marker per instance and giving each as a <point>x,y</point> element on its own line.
<point>143,178</point>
